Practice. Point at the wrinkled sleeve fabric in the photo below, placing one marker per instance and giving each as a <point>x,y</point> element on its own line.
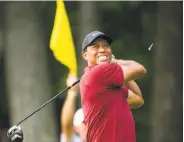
<point>125,90</point>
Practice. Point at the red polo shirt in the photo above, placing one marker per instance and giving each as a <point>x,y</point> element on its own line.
<point>106,111</point>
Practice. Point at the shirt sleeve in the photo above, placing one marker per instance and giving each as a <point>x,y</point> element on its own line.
<point>106,74</point>
<point>125,90</point>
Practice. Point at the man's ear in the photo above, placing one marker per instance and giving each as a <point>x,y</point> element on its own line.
<point>83,53</point>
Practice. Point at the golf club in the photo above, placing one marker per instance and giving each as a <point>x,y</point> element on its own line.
<point>15,133</point>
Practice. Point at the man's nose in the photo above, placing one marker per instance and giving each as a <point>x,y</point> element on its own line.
<point>101,49</point>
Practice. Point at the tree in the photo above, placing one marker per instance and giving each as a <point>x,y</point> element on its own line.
<point>26,71</point>
<point>167,79</point>
<point>88,22</point>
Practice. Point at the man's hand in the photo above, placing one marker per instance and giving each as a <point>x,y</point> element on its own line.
<point>113,60</point>
<point>15,134</point>
<point>70,80</point>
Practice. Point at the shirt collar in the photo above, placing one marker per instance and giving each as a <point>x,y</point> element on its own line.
<point>88,68</point>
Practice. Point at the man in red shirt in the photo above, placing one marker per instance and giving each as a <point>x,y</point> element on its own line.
<point>107,115</point>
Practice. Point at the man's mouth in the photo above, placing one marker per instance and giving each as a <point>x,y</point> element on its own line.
<point>103,58</point>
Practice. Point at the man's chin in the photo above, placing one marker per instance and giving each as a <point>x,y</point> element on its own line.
<point>103,62</point>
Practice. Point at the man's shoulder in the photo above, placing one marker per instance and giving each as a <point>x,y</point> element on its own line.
<point>100,69</point>
<point>104,66</point>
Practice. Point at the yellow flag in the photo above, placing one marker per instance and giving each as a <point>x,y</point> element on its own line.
<point>61,42</point>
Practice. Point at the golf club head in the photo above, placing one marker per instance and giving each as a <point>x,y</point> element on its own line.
<point>15,134</point>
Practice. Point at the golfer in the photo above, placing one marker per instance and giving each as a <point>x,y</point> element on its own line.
<point>107,115</point>
<point>134,99</point>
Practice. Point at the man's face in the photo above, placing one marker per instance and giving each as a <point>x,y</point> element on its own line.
<point>98,52</point>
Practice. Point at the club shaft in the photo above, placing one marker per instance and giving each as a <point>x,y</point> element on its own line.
<point>46,103</point>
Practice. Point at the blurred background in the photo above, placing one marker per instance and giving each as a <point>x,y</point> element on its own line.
<point>30,74</point>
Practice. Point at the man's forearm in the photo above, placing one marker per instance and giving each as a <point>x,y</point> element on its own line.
<point>68,111</point>
<point>132,70</point>
<point>135,99</point>
<point>132,85</point>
